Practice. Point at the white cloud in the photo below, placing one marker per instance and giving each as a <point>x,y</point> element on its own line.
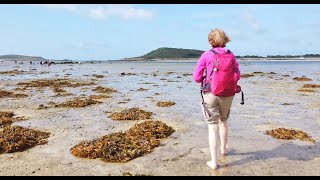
<point>164,42</point>
<point>252,21</point>
<point>125,12</point>
<point>209,15</point>
<point>122,11</point>
<point>67,7</point>
<point>92,44</point>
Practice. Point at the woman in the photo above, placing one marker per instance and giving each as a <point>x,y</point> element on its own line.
<point>216,108</point>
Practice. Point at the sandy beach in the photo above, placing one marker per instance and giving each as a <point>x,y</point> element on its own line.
<point>272,100</point>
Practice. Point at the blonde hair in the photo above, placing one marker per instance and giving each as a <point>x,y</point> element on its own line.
<point>218,38</point>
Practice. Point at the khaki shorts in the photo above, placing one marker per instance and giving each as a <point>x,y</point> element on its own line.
<point>217,108</point>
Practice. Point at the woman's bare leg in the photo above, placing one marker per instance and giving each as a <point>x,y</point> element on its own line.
<point>213,144</point>
<point>223,128</point>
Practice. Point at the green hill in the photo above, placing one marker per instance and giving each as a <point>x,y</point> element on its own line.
<point>21,58</point>
<point>172,53</point>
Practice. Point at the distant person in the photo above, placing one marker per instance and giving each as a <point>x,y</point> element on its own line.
<point>50,62</point>
<point>218,72</point>
<point>30,62</point>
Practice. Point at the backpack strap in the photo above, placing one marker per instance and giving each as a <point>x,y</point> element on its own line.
<point>228,52</point>
<point>242,98</point>
<point>214,51</point>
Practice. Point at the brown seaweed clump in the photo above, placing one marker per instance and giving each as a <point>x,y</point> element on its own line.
<point>77,103</point>
<point>123,147</point>
<point>142,89</point>
<point>6,118</point>
<point>98,76</point>
<point>287,104</point>
<point>187,74</point>
<point>6,114</point>
<point>262,73</point>
<point>131,114</point>
<point>165,103</point>
<point>101,89</point>
<point>53,83</point>
<point>16,138</point>
<point>246,75</point>
<point>311,86</point>
<point>306,90</point>
<point>99,96</point>
<point>289,134</point>
<point>63,94</point>
<point>13,72</point>
<point>303,78</point>
<point>9,94</point>
<point>59,90</point>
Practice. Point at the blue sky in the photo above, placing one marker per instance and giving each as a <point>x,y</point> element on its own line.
<point>114,31</point>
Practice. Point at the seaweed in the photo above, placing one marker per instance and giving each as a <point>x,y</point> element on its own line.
<point>9,94</point>
<point>101,89</point>
<point>78,103</point>
<point>54,83</point>
<point>124,146</point>
<point>131,114</point>
<point>311,86</point>
<point>58,90</point>
<point>98,76</point>
<point>246,75</point>
<point>303,78</point>
<point>142,89</point>
<point>289,134</point>
<point>306,90</point>
<point>16,139</point>
<point>165,103</point>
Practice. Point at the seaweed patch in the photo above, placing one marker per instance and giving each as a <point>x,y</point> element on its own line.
<point>124,146</point>
<point>289,134</point>
<point>16,138</point>
<point>131,114</point>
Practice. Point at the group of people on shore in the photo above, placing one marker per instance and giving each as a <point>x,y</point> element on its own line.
<point>41,62</point>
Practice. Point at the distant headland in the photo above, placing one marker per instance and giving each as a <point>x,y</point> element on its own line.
<point>164,53</point>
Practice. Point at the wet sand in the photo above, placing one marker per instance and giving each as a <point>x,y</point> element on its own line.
<point>186,151</point>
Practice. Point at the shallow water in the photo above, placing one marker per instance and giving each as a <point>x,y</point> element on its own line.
<point>186,151</point>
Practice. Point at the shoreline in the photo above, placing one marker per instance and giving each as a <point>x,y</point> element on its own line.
<point>191,60</point>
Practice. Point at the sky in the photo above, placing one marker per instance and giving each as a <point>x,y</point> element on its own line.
<point>116,31</point>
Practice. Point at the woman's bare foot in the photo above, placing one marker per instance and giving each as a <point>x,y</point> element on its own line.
<point>212,165</point>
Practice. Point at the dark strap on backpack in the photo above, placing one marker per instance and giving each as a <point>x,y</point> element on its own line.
<point>228,52</point>
<point>242,98</point>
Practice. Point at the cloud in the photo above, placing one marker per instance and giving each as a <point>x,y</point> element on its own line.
<point>252,21</point>
<point>90,45</point>
<point>67,7</point>
<point>164,42</point>
<point>207,15</point>
<point>123,11</point>
<point>101,12</point>
<point>214,15</point>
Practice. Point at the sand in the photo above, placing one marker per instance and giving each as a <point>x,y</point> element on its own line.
<point>186,151</point>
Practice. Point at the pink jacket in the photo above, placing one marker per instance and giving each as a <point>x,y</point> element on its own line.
<point>205,63</point>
